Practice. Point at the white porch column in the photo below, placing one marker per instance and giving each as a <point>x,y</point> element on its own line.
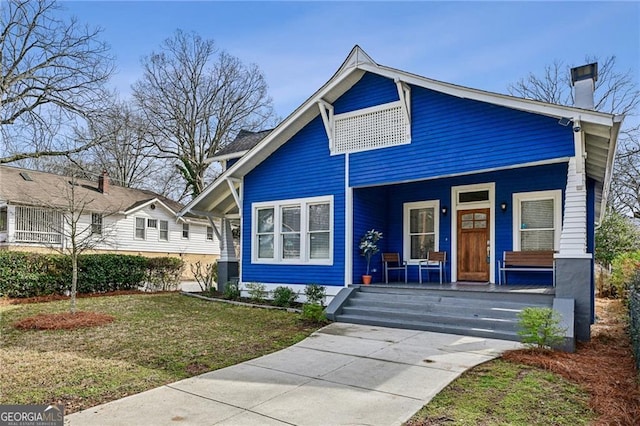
<point>574,270</point>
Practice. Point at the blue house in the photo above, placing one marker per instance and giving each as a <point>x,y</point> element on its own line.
<point>434,167</point>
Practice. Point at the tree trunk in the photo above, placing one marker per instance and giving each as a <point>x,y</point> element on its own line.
<point>74,281</point>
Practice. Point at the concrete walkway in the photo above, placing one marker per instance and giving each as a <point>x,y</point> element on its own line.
<point>343,374</point>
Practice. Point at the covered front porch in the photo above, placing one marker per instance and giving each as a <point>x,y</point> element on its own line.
<point>472,219</point>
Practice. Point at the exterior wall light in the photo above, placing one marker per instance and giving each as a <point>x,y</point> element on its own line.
<point>444,211</point>
<point>503,206</point>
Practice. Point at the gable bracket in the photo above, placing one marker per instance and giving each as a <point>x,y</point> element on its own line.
<point>404,93</point>
<point>326,111</point>
<point>234,192</point>
<point>215,228</point>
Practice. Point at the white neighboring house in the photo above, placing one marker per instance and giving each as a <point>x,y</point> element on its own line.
<point>128,221</point>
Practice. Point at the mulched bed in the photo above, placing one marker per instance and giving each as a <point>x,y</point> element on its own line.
<point>604,366</point>
<point>64,321</point>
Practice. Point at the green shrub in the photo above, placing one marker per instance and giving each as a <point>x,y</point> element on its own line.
<point>540,327</point>
<point>232,290</point>
<point>315,294</point>
<point>313,313</point>
<point>32,274</point>
<point>163,273</point>
<point>284,296</point>
<point>625,267</point>
<point>105,272</point>
<point>257,292</point>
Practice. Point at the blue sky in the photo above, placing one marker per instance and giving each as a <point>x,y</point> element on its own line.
<point>299,45</point>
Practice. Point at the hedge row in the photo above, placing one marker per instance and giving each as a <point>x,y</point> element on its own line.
<point>33,274</point>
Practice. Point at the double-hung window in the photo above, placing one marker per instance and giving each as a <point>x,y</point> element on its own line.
<point>164,230</point>
<point>421,228</point>
<point>185,230</point>
<point>96,223</point>
<point>537,220</point>
<point>293,231</point>
<point>140,228</point>
<point>209,233</point>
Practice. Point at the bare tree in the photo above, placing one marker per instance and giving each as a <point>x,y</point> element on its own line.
<point>197,98</point>
<point>72,215</point>
<point>53,71</point>
<point>616,92</point>
<point>125,147</point>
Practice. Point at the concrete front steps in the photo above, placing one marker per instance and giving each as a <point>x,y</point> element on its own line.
<point>470,313</point>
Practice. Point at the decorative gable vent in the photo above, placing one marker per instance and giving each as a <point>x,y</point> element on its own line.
<point>376,127</point>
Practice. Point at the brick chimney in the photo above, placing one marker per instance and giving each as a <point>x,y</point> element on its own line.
<point>103,182</point>
<point>583,79</point>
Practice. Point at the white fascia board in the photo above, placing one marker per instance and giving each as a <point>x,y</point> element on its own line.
<point>224,157</point>
<point>273,140</point>
<point>608,174</point>
<point>154,200</point>
<point>359,61</point>
<point>527,105</point>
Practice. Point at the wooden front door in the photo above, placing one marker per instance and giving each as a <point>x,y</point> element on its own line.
<point>473,245</point>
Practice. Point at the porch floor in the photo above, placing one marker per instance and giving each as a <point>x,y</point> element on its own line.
<point>471,286</point>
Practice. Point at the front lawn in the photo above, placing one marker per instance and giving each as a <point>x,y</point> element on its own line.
<point>154,340</point>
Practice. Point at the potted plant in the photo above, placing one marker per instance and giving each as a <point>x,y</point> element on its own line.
<point>369,247</point>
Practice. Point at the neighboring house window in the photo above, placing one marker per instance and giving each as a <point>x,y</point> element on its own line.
<point>293,231</point>
<point>3,219</point>
<point>421,229</point>
<point>185,230</point>
<point>164,230</point>
<point>537,220</point>
<point>152,223</point>
<point>209,233</point>
<point>96,223</point>
<point>38,225</point>
<point>140,228</point>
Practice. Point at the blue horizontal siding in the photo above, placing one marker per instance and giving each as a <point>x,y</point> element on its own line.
<point>369,91</point>
<point>451,135</point>
<point>301,168</point>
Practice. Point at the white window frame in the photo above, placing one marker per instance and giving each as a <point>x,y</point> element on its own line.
<point>160,230</point>
<point>518,198</point>
<point>209,233</point>
<point>187,229</point>
<point>136,228</point>
<point>305,255</point>
<point>406,219</point>
<point>152,223</point>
